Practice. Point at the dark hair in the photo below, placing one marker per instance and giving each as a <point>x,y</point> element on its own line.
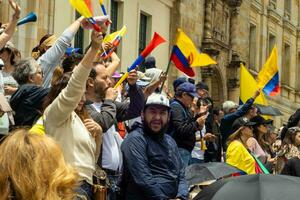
<point>71,61</point>
<point>93,74</point>
<point>13,53</point>
<point>178,93</point>
<point>216,111</point>
<point>290,135</point>
<point>56,89</point>
<point>39,50</point>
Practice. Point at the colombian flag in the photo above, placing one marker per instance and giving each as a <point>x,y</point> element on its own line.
<point>185,55</point>
<point>268,76</point>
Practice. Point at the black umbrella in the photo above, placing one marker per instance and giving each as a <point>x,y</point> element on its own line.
<point>253,187</point>
<point>198,173</point>
<point>268,110</point>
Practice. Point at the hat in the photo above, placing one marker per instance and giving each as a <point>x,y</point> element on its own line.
<point>153,74</point>
<point>260,120</point>
<point>158,99</point>
<point>242,121</point>
<point>227,105</point>
<point>116,75</point>
<point>188,88</point>
<point>150,62</point>
<point>202,86</point>
<point>71,50</point>
<point>178,82</point>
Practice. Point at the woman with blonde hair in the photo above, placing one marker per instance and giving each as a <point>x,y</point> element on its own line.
<point>237,153</point>
<point>33,167</point>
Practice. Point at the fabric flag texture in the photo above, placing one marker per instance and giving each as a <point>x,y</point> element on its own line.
<point>84,10</point>
<point>102,7</point>
<point>185,55</point>
<point>156,40</point>
<point>115,39</point>
<point>248,86</point>
<point>268,76</point>
<point>89,5</point>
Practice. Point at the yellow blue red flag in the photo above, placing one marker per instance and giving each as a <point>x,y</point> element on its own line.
<point>268,76</point>
<point>185,55</point>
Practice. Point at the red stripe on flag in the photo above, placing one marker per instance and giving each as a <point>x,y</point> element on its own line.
<point>185,69</point>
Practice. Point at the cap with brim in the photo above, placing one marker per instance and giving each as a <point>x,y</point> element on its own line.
<point>142,83</point>
<point>242,121</point>
<point>188,88</point>
<point>157,99</point>
<point>260,120</point>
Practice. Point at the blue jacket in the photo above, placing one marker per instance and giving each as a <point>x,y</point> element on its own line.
<point>152,167</point>
<point>227,120</point>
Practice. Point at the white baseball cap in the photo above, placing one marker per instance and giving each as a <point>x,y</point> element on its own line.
<point>158,99</point>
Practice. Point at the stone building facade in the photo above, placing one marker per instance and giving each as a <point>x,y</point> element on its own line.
<point>234,31</point>
<point>231,31</point>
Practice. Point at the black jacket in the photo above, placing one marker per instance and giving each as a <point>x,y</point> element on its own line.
<point>292,167</point>
<point>152,167</point>
<point>27,103</point>
<point>182,126</point>
<point>118,111</point>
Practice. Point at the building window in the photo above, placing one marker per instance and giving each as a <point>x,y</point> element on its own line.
<point>272,41</point>
<point>79,37</point>
<point>287,9</point>
<point>252,48</point>
<point>286,63</point>
<point>143,32</point>
<point>114,16</point>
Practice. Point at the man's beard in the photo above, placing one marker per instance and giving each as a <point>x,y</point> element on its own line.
<point>154,134</point>
<point>100,91</point>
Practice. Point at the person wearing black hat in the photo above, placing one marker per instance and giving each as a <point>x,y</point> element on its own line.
<point>256,143</point>
<point>183,125</point>
<point>237,154</point>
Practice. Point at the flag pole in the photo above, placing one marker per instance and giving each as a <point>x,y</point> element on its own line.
<point>167,71</point>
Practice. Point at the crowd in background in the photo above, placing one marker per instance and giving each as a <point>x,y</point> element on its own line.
<point>70,131</point>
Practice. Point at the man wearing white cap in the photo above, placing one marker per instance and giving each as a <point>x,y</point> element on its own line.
<point>152,164</point>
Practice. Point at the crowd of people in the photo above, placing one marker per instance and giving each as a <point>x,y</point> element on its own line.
<point>72,135</point>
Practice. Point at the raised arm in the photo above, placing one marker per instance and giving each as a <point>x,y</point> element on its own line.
<point>52,57</point>
<point>11,27</point>
<point>66,102</point>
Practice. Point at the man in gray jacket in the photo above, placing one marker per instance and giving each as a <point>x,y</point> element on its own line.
<point>103,108</point>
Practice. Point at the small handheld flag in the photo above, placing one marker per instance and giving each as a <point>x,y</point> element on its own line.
<point>115,39</point>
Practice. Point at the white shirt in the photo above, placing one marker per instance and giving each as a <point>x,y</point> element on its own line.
<point>111,147</point>
<point>197,152</point>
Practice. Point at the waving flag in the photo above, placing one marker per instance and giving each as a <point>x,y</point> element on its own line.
<point>268,76</point>
<point>89,5</point>
<point>115,39</point>
<point>102,7</point>
<point>84,10</point>
<point>156,40</point>
<point>185,55</point>
<point>248,86</point>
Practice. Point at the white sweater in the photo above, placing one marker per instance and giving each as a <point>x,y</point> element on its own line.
<point>65,126</point>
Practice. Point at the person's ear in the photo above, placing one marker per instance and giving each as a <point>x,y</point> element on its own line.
<point>31,79</point>
<point>90,82</point>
